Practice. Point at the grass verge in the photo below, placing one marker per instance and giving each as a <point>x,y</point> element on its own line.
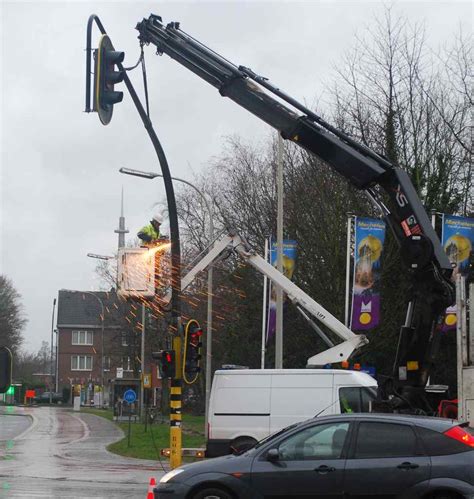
<point>147,444</point>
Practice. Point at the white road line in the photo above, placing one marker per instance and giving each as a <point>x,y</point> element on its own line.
<point>34,423</point>
<point>87,431</point>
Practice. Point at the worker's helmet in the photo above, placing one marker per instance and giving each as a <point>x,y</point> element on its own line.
<point>158,217</point>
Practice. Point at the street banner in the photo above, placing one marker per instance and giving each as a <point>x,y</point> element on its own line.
<point>369,240</point>
<point>457,238</point>
<point>289,260</point>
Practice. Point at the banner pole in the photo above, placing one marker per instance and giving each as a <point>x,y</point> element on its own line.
<point>348,268</point>
<point>264,310</point>
<point>279,291</point>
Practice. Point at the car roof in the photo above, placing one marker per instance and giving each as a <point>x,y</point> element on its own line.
<point>432,423</point>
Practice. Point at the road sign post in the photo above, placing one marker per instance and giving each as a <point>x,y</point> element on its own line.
<point>130,397</point>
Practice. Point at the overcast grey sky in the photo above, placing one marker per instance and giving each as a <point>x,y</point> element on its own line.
<point>60,186</point>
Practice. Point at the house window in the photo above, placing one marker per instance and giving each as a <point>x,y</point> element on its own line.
<point>125,342</point>
<point>127,364</point>
<point>106,363</point>
<point>81,362</point>
<point>82,338</point>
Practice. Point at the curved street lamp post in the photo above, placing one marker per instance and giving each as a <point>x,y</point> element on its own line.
<point>150,176</point>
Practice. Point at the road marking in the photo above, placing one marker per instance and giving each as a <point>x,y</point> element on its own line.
<point>34,422</point>
<point>87,431</point>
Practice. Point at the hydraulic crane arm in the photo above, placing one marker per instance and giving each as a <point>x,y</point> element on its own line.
<point>236,243</point>
<point>429,268</point>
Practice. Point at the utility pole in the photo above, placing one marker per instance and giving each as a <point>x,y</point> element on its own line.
<point>279,291</point>
<point>348,268</point>
<point>264,311</point>
<point>142,357</point>
<point>51,355</point>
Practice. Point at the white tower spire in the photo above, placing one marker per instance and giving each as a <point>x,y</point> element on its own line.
<point>121,231</point>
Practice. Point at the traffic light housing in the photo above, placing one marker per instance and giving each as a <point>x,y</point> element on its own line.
<point>166,363</point>
<point>5,369</point>
<point>192,351</point>
<point>105,77</point>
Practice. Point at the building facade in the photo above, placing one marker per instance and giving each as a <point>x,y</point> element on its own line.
<point>98,341</point>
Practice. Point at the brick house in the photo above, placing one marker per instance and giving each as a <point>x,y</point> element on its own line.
<point>79,326</point>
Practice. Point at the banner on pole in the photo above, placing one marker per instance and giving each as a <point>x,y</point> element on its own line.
<point>289,260</point>
<point>369,240</point>
<point>457,239</point>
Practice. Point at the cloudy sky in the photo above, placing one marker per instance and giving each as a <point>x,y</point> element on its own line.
<point>60,186</point>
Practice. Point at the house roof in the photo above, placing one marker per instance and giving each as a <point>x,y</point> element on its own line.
<point>84,308</point>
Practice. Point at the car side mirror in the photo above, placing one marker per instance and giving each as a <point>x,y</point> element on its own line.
<point>273,455</point>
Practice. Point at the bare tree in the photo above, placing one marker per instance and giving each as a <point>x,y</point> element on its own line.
<point>393,94</point>
<point>411,104</point>
<point>12,319</point>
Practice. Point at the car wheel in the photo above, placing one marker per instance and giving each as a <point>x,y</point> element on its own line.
<point>212,493</point>
<point>241,444</point>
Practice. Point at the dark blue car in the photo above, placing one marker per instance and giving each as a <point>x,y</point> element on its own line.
<point>354,456</point>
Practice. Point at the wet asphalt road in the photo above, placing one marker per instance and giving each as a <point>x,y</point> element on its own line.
<point>54,453</point>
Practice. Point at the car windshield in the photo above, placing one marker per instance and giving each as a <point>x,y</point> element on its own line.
<point>272,436</point>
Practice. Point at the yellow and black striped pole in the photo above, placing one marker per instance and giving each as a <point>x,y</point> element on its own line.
<point>175,408</point>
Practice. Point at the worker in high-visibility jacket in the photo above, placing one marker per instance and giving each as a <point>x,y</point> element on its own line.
<point>150,234</point>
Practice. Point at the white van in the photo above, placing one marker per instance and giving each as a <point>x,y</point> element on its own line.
<point>247,405</point>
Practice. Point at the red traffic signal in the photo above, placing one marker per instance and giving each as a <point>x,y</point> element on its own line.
<point>166,363</point>
<point>195,337</point>
<point>192,351</point>
<point>105,77</point>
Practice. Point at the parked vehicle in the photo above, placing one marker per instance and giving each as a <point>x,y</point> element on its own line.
<point>347,455</point>
<point>57,398</point>
<point>247,405</point>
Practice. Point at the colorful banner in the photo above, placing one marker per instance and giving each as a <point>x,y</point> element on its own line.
<point>369,239</point>
<point>457,239</point>
<point>289,260</point>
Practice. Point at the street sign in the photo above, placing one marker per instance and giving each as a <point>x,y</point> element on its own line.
<point>119,372</point>
<point>130,396</point>
<point>146,381</point>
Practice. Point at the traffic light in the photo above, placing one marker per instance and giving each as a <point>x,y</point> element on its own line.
<point>5,369</point>
<point>192,351</point>
<point>166,363</point>
<point>105,77</point>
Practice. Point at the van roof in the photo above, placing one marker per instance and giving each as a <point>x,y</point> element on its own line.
<point>254,372</point>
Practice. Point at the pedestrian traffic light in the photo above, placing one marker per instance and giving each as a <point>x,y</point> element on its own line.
<point>192,351</point>
<point>105,77</point>
<point>5,369</point>
<point>166,363</point>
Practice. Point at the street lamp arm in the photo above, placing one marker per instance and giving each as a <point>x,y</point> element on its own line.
<point>152,175</point>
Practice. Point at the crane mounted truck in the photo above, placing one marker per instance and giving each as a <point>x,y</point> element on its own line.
<point>388,187</point>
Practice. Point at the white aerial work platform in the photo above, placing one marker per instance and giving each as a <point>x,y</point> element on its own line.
<point>136,273</point>
<point>336,353</point>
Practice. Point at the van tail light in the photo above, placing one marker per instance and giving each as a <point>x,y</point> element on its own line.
<point>461,435</point>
